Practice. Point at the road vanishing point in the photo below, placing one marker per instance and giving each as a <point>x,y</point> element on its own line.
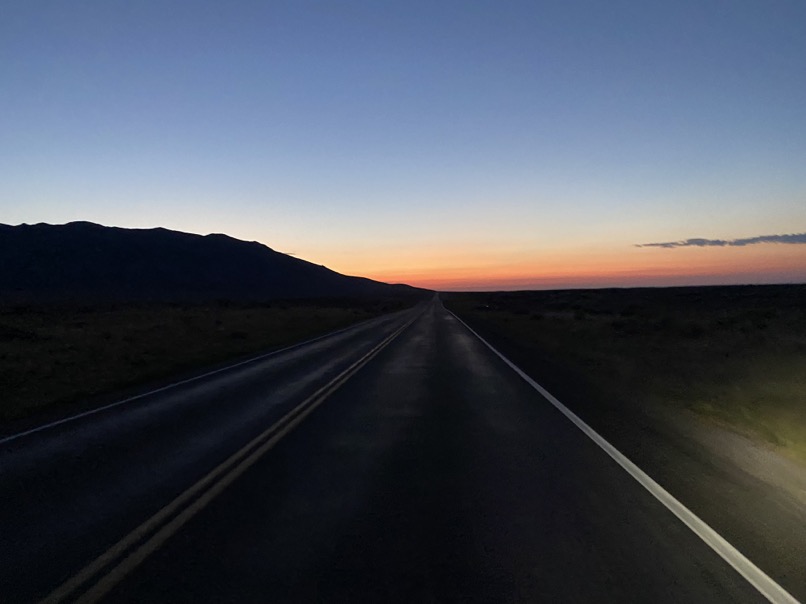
<point>400,460</point>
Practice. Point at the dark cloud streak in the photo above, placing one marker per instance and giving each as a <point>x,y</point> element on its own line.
<point>793,238</point>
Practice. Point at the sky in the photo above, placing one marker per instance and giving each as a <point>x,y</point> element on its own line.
<point>464,145</point>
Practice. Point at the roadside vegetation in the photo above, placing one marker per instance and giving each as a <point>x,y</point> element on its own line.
<point>735,355</point>
<point>52,356</point>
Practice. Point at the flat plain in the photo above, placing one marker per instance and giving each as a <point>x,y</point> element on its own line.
<point>734,355</point>
<point>54,357</point>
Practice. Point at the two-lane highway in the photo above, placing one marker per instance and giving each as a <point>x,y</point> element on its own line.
<point>431,471</point>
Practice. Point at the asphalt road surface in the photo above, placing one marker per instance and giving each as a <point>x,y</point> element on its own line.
<point>400,460</point>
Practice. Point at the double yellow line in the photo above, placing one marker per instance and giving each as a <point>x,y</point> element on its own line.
<point>96,579</point>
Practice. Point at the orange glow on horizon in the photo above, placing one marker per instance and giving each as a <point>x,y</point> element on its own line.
<point>633,267</point>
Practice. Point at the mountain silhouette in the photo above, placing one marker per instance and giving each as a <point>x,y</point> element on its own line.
<point>86,261</point>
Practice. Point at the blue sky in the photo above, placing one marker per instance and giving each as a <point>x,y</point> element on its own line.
<point>418,139</point>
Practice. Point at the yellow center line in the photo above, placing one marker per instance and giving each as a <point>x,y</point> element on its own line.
<point>231,468</point>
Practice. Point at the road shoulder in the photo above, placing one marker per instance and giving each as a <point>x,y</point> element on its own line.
<point>750,494</point>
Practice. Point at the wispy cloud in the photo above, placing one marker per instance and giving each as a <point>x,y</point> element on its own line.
<point>793,238</point>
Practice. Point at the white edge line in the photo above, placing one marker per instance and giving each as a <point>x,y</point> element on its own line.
<point>765,585</point>
<point>71,418</point>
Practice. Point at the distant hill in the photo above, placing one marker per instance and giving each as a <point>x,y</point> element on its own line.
<point>85,261</point>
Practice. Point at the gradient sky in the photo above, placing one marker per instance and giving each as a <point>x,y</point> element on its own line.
<point>455,145</point>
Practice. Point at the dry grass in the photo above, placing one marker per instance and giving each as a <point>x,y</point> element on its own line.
<point>734,354</point>
<point>54,356</point>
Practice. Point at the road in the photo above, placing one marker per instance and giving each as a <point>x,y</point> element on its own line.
<point>428,470</point>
